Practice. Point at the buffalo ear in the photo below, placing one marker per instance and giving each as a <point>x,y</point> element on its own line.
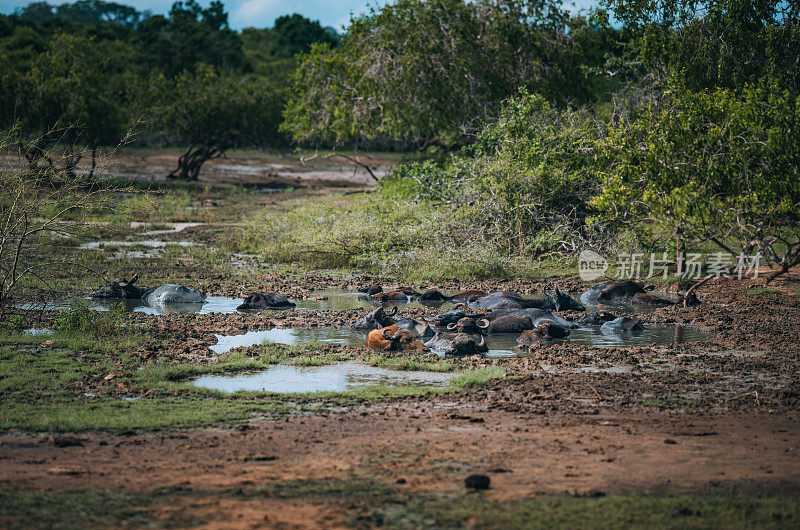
<point>558,291</point>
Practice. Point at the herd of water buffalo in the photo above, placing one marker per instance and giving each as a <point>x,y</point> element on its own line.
<point>461,330</point>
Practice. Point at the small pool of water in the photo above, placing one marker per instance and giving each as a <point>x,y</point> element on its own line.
<point>503,345</point>
<point>331,378</point>
<point>338,299</point>
<point>290,337</point>
<point>500,345</point>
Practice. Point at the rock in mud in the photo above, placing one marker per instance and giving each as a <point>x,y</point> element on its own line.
<point>477,482</point>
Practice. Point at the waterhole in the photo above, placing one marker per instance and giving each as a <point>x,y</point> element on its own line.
<point>332,378</point>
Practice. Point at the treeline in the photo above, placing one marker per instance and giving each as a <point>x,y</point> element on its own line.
<point>86,73</point>
<point>700,147</point>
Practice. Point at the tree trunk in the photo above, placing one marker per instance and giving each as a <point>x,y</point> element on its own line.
<point>192,160</point>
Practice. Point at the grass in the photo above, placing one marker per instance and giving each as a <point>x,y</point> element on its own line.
<point>370,503</point>
<point>369,234</point>
<point>44,381</point>
<point>618,511</point>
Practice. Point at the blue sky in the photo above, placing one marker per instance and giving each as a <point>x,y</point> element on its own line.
<point>261,13</point>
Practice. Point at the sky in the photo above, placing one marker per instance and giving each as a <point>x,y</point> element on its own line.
<point>259,13</point>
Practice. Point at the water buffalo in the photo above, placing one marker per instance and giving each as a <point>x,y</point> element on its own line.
<point>120,289</point>
<point>369,290</point>
<point>433,295</point>
<point>506,324</point>
<point>468,324</point>
<point>419,328</point>
<point>173,294</point>
<point>403,294</point>
<point>468,297</point>
<point>557,300</point>
<point>163,295</point>
<point>634,292</point>
<point>535,314</point>
<point>598,318</point>
<point>458,344</point>
<point>611,291</point>
<point>622,325</point>
<point>392,338</point>
<point>464,339</point>
<point>375,319</point>
<point>455,313</point>
<point>545,331</point>
<point>268,300</point>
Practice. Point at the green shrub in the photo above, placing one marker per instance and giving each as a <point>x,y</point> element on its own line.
<point>524,185</point>
<point>78,318</point>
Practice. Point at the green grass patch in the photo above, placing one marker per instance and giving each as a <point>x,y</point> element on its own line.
<point>73,509</point>
<point>635,511</point>
<point>370,503</point>
<point>419,241</point>
<point>44,381</point>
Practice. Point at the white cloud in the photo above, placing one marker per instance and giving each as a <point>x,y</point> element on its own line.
<point>258,13</point>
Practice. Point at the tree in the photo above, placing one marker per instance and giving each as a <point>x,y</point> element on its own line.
<point>66,97</point>
<point>33,211</point>
<point>717,43</point>
<point>212,113</point>
<point>295,33</point>
<point>190,36</point>
<point>432,72</point>
<point>713,166</point>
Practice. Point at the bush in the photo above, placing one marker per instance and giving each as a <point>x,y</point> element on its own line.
<point>524,185</point>
<point>713,166</point>
<point>78,318</point>
<point>383,236</point>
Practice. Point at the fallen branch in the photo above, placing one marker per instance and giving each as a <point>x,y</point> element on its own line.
<point>354,159</point>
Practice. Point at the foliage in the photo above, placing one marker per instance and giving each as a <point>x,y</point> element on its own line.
<point>710,166</point>
<point>525,183</point>
<point>34,205</point>
<point>424,73</point>
<point>716,43</point>
<point>212,113</point>
<point>78,318</point>
<point>86,11</point>
<point>67,95</point>
<point>190,36</point>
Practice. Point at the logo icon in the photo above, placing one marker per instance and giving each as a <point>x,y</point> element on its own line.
<point>591,265</point>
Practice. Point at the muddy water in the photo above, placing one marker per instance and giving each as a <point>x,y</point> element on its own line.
<point>332,378</point>
<point>501,345</point>
<point>288,336</point>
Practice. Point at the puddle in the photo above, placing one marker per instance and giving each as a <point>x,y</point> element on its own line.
<point>34,331</point>
<point>149,243</point>
<point>174,228</point>
<point>672,334</point>
<point>288,336</point>
<point>332,378</point>
<point>501,345</point>
<point>213,304</point>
